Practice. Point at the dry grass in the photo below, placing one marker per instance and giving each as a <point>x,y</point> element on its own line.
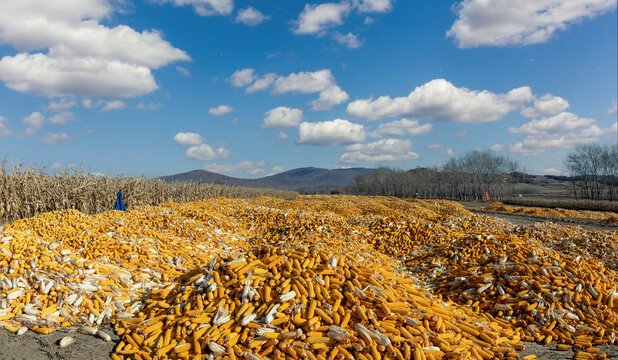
<point>571,204</point>
<point>29,192</point>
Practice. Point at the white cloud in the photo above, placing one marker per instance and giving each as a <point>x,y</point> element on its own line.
<point>114,105</point>
<point>262,83</point>
<point>450,152</point>
<point>76,53</point>
<point>87,76</point>
<point>551,171</point>
<point>381,151</point>
<point>221,110</point>
<point>276,170</point>
<point>33,122</point>
<point>496,147</point>
<point>248,167</point>
<point>442,100</point>
<point>507,22</point>
<point>87,104</point>
<point>562,131</point>
<point>282,136</point>
<point>435,146</point>
<point>349,40</point>
<point>187,139</point>
<point>368,20</point>
<point>304,82</point>
<point>4,127</point>
<point>329,97</point>
<point>314,19</point>
<point>401,127</point>
<point>330,133</point>
<point>462,134</point>
<point>379,6</point>
<point>250,16</point>
<point>613,110</point>
<point>562,122</point>
<point>183,70</point>
<point>547,105</point>
<point>282,118</point>
<point>148,106</point>
<point>62,104</point>
<point>242,77</point>
<point>207,152</point>
<point>53,138</point>
<point>205,7</point>
<point>62,118</point>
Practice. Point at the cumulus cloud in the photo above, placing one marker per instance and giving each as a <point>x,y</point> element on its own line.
<point>613,110</point>
<point>59,76</point>
<point>435,146</point>
<point>562,122</point>
<point>53,138</point>
<point>496,147</point>
<point>242,77</point>
<point>63,118</point>
<point>441,100</point>
<point>330,133</point>
<point>329,97</point>
<point>381,151</point>
<point>70,52</point>
<point>188,139</point>
<point>546,105</point>
<point>378,6</point>
<point>282,136</point>
<point>62,104</point>
<point>506,22</point>
<point>551,171</point>
<point>221,110</point>
<point>401,127</point>
<point>304,82</point>
<point>282,118</point>
<point>114,105</point>
<point>250,16</point>
<point>450,152</point>
<point>314,19</point>
<point>562,131</point>
<point>183,70</point>
<point>248,167</point>
<point>33,122</point>
<point>207,152</point>
<point>276,170</point>
<point>349,40</point>
<point>205,7</point>
<point>262,83</point>
<point>4,127</point>
<point>87,104</point>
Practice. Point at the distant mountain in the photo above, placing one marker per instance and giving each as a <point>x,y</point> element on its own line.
<point>302,179</point>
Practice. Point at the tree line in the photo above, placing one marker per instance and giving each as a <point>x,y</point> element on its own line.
<point>467,177</point>
<point>592,170</point>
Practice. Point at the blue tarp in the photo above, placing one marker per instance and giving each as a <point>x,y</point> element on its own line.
<point>119,204</point>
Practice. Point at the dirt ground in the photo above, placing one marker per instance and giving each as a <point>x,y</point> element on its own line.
<point>33,346</point>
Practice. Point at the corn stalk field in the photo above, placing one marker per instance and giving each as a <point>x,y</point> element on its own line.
<point>314,277</point>
<point>29,192</point>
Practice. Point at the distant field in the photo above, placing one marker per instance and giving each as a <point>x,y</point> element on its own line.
<point>29,193</point>
<point>570,204</point>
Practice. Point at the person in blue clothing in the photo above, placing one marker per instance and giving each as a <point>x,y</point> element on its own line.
<point>119,203</point>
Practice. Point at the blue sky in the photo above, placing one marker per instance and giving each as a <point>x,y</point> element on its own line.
<point>253,88</point>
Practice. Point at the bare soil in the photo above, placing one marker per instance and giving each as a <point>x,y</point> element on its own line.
<point>33,346</point>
